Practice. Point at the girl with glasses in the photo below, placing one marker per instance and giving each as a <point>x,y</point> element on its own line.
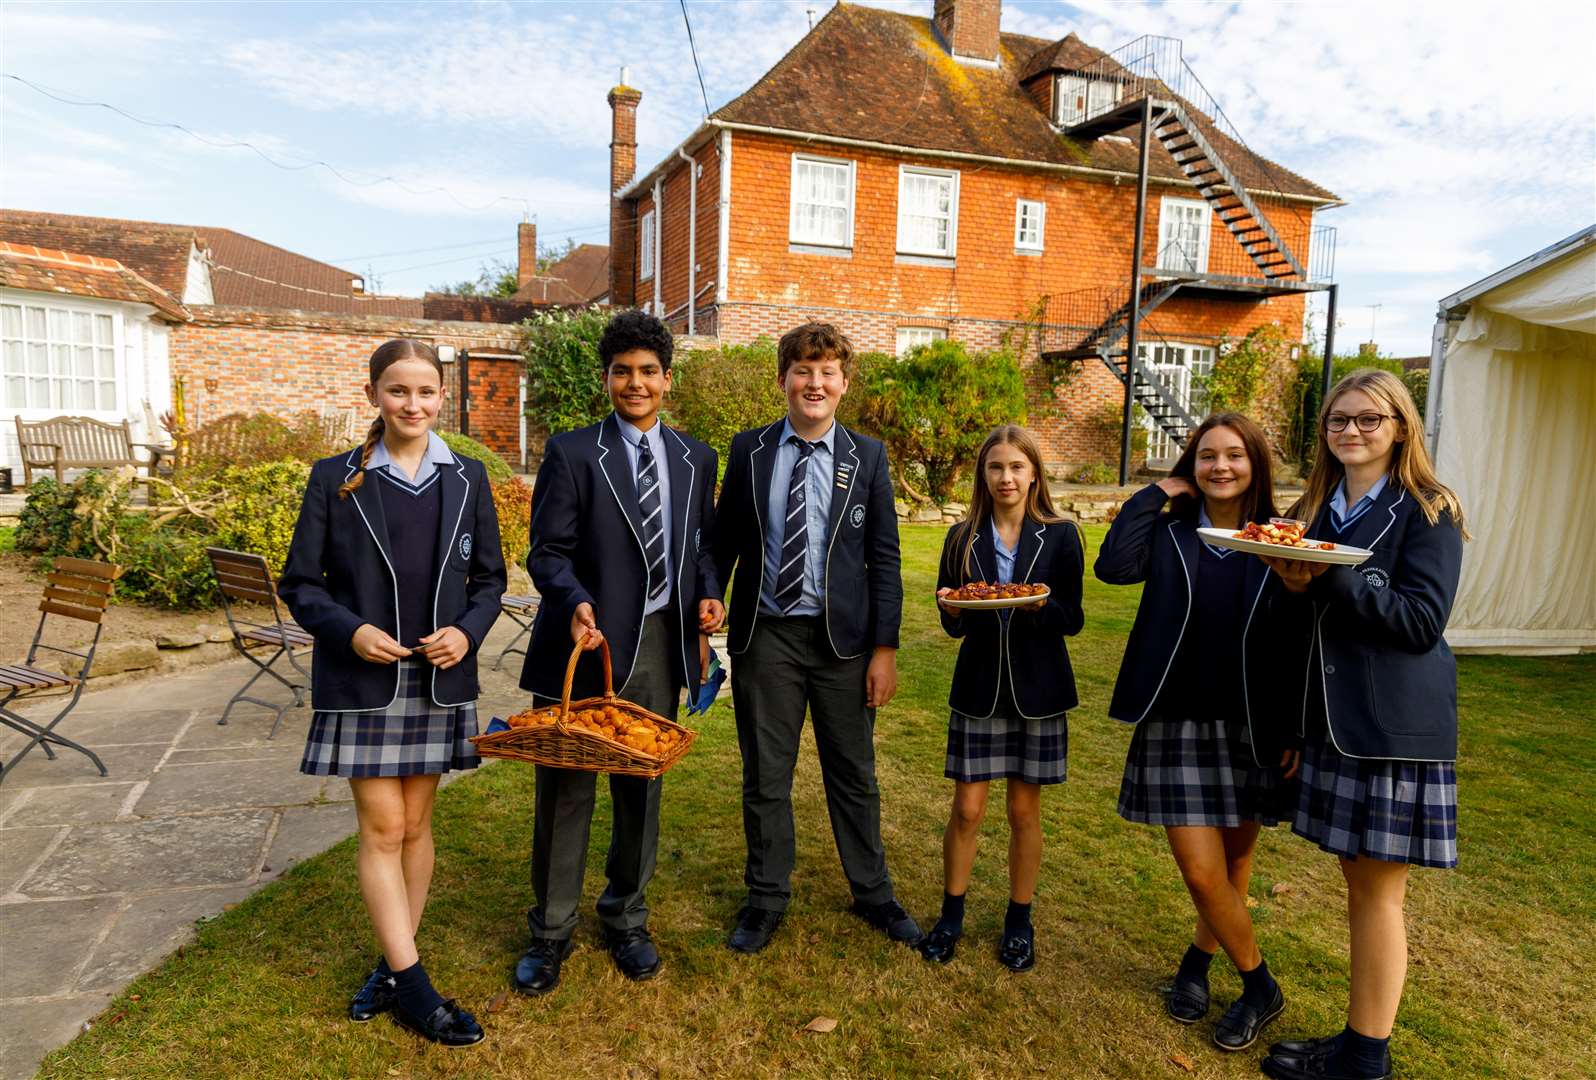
<point>1378,786</point>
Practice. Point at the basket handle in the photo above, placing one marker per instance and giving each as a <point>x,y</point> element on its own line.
<point>570,676</point>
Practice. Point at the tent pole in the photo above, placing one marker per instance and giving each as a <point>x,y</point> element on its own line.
<point>1432,398</point>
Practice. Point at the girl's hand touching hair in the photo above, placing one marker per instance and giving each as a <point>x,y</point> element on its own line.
<point>447,647</point>
<point>374,645</point>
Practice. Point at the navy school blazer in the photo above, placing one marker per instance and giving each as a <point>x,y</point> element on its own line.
<point>861,586</point>
<point>1372,634</point>
<point>1030,644</point>
<point>339,575</point>
<point>587,548</point>
<point>1161,549</point>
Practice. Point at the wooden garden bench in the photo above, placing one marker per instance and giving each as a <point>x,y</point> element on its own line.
<point>80,442</point>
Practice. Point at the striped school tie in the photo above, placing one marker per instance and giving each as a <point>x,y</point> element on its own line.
<point>648,504</point>
<point>795,534</point>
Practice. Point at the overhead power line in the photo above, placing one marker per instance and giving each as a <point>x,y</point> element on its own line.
<point>231,144</point>
<point>691,44</point>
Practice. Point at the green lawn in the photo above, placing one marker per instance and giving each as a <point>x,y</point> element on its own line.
<point>1502,981</point>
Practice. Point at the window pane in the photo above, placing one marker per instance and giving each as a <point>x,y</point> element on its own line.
<point>11,320</point>
<point>39,394</point>
<point>108,396</point>
<point>38,357</point>
<point>13,361</point>
<point>82,327</point>
<point>106,362</point>
<point>60,361</point>
<point>83,364</point>
<point>16,392</point>
<point>102,329</point>
<point>58,324</point>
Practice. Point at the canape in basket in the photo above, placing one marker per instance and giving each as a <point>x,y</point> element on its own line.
<point>598,734</point>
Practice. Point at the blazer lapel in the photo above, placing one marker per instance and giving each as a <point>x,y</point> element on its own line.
<point>1185,535</point>
<point>682,474</point>
<point>618,475</point>
<point>763,461</point>
<point>1031,540</point>
<point>368,503</point>
<point>455,490</point>
<point>1368,529</point>
<point>845,466</point>
<point>983,552</point>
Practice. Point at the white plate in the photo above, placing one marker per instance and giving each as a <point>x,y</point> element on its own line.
<point>986,605</point>
<point>1342,555</point>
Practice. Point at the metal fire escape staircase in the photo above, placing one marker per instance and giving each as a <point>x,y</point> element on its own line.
<point>1194,131</point>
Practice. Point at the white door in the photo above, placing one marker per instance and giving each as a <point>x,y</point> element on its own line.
<point>1183,235</point>
<point>1178,368</point>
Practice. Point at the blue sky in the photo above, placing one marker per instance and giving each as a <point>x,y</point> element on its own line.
<point>1463,136</point>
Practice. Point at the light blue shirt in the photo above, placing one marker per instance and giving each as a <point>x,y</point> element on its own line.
<point>436,455</point>
<point>1005,556</point>
<point>1203,522</point>
<point>632,440</point>
<point>817,505</point>
<point>1340,517</point>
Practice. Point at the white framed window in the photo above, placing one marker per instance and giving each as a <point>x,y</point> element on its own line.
<point>1183,235</point>
<point>928,211</point>
<point>58,359</point>
<point>822,202</point>
<point>645,246</point>
<point>1030,216</point>
<point>1077,98</point>
<point>910,337</point>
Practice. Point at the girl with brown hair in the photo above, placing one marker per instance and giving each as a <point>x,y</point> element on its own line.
<point>396,572</point>
<point>1012,684</point>
<point>1198,681</point>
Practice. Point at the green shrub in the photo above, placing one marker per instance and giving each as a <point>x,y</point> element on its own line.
<point>466,446</point>
<point>1097,474</point>
<point>1241,373</point>
<point>715,393</point>
<point>512,502</point>
<point>46,523</point>
<point>1308,390</point>
<point>935,407</point>
<point>1108,421</point>
<point>257,438</point>
<point>8,538</point>
<point>258,507</point>
<point>564,386</point>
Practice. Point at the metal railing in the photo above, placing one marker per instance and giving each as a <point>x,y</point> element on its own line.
<point>1155,66</point>
<point>1322,254</point>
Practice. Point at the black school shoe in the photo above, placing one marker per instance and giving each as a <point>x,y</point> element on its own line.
<point>538,970</point>
<point>1187,1000</point>
<point>890,918</point>
<point>1017,952</point>
<point>754,929</point>
<point>374,998</point>
<point>633,952</point>
<point>449,1025</point>
<point>1315,1067</point>
<point>939,945</point>
<point>1306,1047</point>
<point>1239,1027</point>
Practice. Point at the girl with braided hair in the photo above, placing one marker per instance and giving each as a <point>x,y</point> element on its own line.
<point>395,569</point>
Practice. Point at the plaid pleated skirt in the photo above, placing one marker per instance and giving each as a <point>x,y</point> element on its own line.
<point>1195,772</point>
<point>1400,811</point>
<point>411,737</point>
<point>1006,747</point>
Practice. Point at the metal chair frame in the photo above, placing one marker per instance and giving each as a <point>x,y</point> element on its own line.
<point>523,611</point>
<point>244,576</point>
<point>74,589</point>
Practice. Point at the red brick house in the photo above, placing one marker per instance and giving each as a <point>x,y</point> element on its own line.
<point>911,178</point>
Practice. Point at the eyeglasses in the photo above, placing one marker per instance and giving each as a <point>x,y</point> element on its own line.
<point>1367,422</point>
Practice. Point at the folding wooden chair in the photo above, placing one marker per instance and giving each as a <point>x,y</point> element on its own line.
<point>75,589</point>
<point>245,578</point>
<point>522,610</point>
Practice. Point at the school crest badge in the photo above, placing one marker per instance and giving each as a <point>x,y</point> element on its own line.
<point>465,545</point>
<point>1376,577</point>
<point>856,516</point>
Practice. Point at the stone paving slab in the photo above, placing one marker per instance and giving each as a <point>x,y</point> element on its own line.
<point>304,831</point>
<point>19,850</point>
<point>31,1029</point>
<point>42,939</point>
<point>178,789</point>
<point>160,853</point>
<point>71,767</point>
<point>81,805</point>
<point>147,930</point>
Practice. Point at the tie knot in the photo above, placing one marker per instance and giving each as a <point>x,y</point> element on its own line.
<point>805,447</point>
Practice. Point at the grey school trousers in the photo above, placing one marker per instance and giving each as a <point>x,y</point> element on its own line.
<point>787,667</point>
<point>563,814</point>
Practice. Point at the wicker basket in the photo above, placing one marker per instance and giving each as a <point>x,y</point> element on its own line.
<point>565,746</point>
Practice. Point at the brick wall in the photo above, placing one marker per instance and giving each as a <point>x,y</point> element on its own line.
<point>280,361</point>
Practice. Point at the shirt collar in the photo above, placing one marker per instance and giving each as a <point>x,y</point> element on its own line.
<point>435,456</point>
<point>631,434</point>
<point>1338,501</point>
<point>1205,522</point>
<point>828,440</point>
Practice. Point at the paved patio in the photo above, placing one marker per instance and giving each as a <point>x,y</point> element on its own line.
<point>102,877</point>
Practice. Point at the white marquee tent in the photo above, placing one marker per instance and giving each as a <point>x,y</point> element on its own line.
<point>1511,419</point>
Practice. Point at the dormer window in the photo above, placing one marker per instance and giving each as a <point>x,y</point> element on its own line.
<point>1078,98</point>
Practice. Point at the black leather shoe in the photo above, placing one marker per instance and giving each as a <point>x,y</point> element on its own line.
<point>538,970</point>
<point>1239,1027</point>
<point>633,952</point>
<point>374,998</point>
<point>890,918</point>
<point>754,929</point>
<point>1315,1067</point>
<point>938,945</point>
<point>1306,1047</point>
<point>1017,952</point>
<point>449,1025</point>
<point>1187,1000</point>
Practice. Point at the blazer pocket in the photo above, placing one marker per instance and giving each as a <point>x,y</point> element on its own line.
<point>1401,717</point>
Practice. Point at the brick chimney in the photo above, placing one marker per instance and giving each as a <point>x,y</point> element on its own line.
<point>526,262</point>
<point>969,27</point>
<point>623,166</point>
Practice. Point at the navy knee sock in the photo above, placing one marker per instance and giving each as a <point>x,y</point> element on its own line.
<point>1194,965</point>
<point>1258,986</point>
<point>952,919</point>
<point>1017,921</point>
<point>416,995</point>
<point>1359,1055</point>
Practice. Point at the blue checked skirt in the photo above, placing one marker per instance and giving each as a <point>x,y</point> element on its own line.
<point>411,737</point>
<point>1401,811</point>
<point>1005,747</point>
<point>1194,772</point>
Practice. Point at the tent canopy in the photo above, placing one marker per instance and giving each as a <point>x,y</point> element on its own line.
<point>1513,423</point>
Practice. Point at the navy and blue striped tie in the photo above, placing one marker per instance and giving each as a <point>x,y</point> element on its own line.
<point>649,506</point>
<point>795,533</point>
